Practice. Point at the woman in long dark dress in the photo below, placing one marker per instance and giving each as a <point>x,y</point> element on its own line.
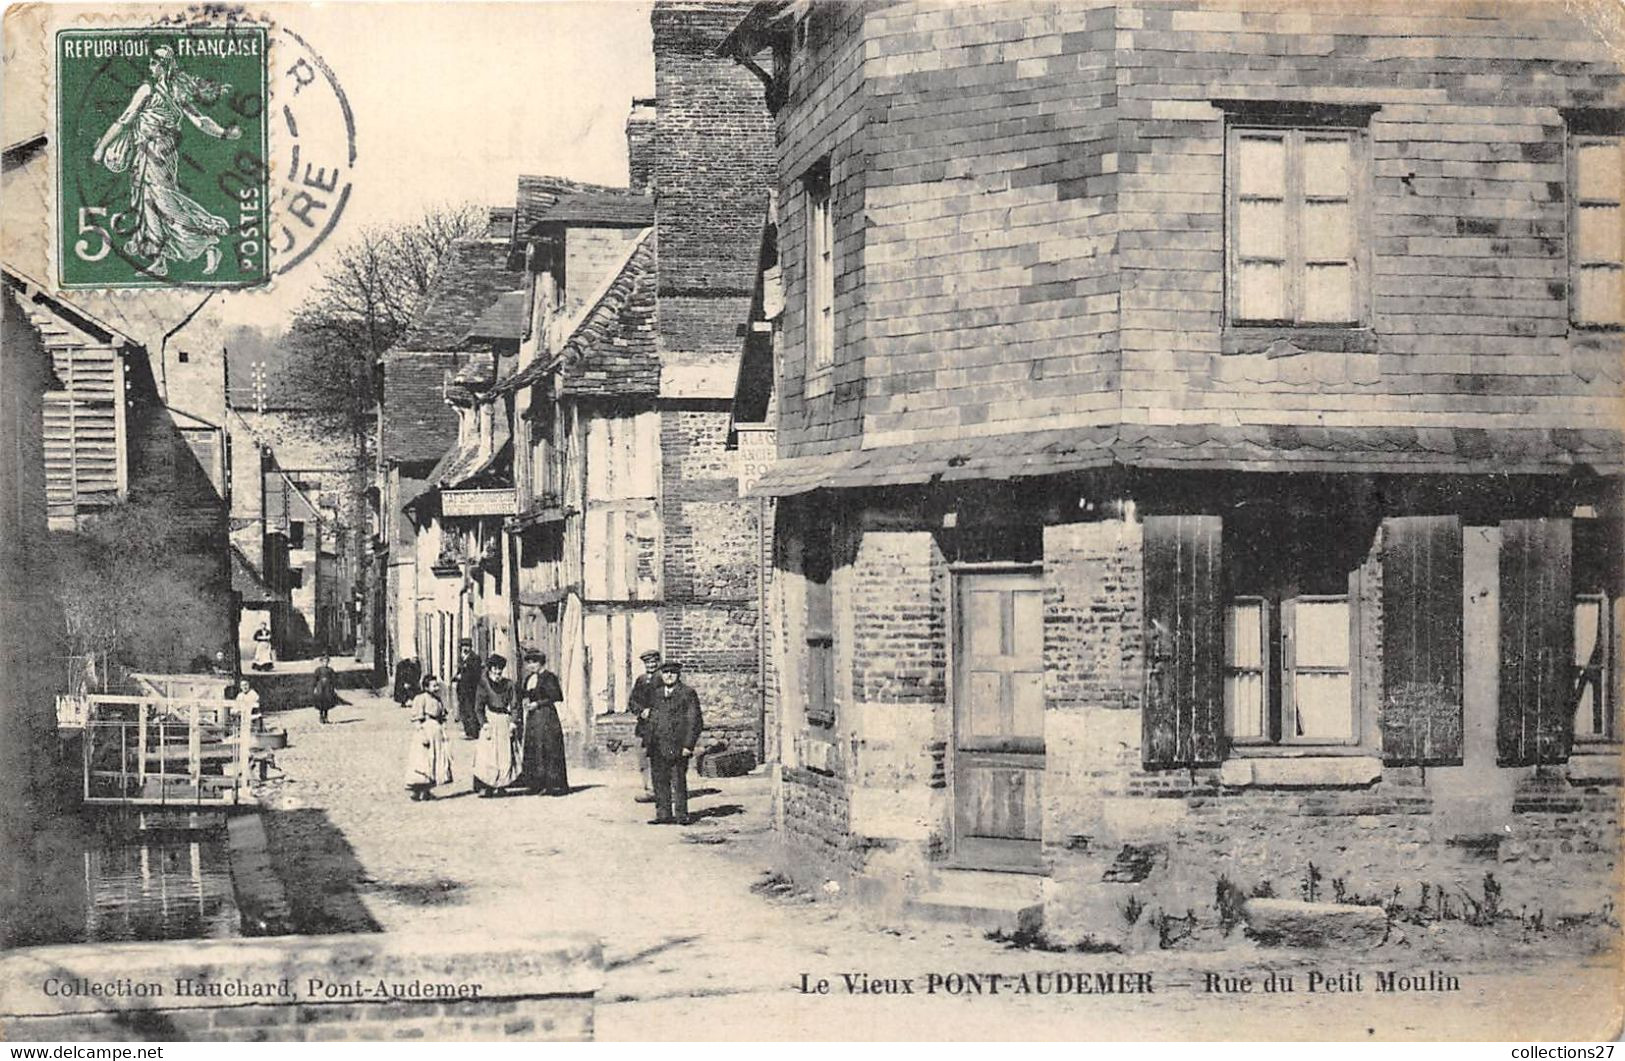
<point>540,694</point>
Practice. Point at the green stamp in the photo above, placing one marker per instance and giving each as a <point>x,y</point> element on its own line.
<point>162,175</point>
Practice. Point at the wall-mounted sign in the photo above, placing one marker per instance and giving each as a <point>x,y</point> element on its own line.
<point>497,502</point>
<point>757,448</point>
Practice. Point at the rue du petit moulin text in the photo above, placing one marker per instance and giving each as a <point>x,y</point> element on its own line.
<point>1311,982</point>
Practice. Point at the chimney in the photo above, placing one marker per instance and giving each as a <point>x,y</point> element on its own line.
<point>640,145</point>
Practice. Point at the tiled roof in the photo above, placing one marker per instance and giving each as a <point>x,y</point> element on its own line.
<point>474,275</point>
<point>612,351</point>
<point>418,425</point>
<point>504,319</point>
<point>542,200</point>
<point>1245,448</point>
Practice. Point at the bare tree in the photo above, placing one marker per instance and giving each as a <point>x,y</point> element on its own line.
<point>368,296</point>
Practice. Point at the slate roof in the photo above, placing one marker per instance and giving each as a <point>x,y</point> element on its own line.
<point>474,275</point>
<point>418,425</point>
<point>541,200</point>
<point>1271,447</point>
<point>503,320</point>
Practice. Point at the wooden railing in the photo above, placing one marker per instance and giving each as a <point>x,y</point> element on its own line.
<point>167,751</point>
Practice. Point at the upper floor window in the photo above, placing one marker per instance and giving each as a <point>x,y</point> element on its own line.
<point>1295,243</point>
<point>1597,222</point>
<point>820,243</point>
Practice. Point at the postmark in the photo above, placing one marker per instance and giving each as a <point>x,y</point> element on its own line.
<point>163,162</point>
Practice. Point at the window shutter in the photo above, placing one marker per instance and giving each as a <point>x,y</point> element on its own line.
<point>1421,640</point>
<point>1536,723</point>
<point>1183,716</point>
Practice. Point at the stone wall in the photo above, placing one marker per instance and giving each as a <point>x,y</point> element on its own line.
<point>710,617</point>
<point>875,803</point>
<point>326,988</point>
<point>590,254</point>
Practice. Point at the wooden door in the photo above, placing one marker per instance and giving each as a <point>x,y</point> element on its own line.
<point>998,719</point>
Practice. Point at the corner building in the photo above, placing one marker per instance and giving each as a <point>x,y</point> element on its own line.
<point>1198,450</point>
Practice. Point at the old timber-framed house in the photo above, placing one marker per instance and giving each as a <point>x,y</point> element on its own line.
<point>1198,449</point>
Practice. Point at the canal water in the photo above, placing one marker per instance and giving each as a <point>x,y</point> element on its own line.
<point>138,875</point>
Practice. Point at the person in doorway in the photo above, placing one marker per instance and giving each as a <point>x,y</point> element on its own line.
<point>543,768</point>
<point>466,682</point>
<point>428,759</point>
<point>408,680</point>
<point>638,702</point>
<point>497,757</point>
<point>670,731</point>
<point>264,654</point>
<point>324,693</point>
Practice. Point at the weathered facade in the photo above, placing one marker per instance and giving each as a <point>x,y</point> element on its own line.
<point>591,495</point>
<point>1198,449</point>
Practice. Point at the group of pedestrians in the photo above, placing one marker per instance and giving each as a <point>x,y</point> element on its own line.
<point>520,745</point>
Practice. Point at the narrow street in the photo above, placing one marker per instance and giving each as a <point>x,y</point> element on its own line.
<point>692,952</point>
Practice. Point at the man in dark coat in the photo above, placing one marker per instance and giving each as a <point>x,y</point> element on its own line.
<point>644,690</point>
<point>467,682</point>
<point>671,728</point>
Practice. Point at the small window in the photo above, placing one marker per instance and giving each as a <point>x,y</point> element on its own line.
<point>184,356</point>
<point>296,534</point>
<point>1317,685</point>
<point>1246,671</point>
<point>1593,668</point>
<point>1597,231</point>
<point>1293,226</point>
<point>296,578</point>
<point>820,236</point>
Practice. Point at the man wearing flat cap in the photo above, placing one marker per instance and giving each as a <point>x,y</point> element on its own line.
<point>644,690</point>
<point>670,732</point>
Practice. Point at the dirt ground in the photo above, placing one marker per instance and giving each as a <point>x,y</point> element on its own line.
<point>697,947</point>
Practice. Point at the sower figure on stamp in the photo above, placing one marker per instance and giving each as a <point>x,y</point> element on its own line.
<point>467,683</point>
<point>167,224</point>
<point>644,690</point>
<point>670,732</point>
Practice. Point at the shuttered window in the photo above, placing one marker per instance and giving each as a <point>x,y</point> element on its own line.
<point>1421,713</point>
<point>1293,226</point>
<point>1183,717</point>
<point>1536,719</point>
<point>820,628</point>
<point>1597,230</point>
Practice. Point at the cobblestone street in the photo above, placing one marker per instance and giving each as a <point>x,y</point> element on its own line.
<point>692,952</point>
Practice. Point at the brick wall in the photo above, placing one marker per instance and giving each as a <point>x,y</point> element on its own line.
<point>712,152</point>
<point>876,802</point>
<point>710,614</point>
<point>529,989</point>
<point>1030,217</point>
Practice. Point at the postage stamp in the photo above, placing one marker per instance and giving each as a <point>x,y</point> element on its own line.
<point>162,175</point>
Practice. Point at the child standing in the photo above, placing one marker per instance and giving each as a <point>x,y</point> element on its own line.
<point>427,760</point>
